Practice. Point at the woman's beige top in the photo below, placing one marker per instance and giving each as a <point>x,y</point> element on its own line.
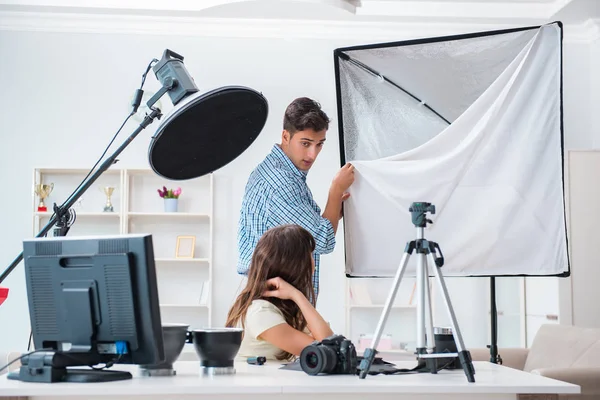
<point>261,315</point>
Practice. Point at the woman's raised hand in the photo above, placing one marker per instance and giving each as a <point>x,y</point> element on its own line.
<point>277,287</point>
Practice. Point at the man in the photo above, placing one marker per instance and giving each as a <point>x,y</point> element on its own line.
<point>277,193</point>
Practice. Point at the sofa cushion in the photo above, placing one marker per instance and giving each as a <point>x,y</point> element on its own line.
<point>561,346</point>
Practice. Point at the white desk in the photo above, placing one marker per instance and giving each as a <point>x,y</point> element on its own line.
<point>267,382</point>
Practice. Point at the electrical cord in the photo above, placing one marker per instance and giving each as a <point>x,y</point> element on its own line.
<point>97,162</point>
<point>21,357</point>
<point>154,61</point>
<point>106,366</point>
<point>139,94</point>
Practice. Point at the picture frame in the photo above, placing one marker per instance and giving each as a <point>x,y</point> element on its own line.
<point>186,246</point>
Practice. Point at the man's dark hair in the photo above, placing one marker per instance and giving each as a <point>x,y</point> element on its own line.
<point>304,113</point>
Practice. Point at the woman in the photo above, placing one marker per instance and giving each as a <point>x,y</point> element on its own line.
<point>274,308</point>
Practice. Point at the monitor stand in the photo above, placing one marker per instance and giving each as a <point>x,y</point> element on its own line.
<point>39,368</point>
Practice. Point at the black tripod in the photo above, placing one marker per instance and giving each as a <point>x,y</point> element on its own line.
<point>424,248</point>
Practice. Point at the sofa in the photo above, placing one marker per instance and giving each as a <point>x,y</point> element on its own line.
<point>566,353</point>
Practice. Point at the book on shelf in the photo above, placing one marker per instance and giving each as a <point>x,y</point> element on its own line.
<point>204,293</point>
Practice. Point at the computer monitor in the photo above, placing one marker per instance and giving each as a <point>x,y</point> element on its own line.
<point>92,300</point>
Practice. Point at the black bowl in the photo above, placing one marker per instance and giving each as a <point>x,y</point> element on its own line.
<point>174,338</point>
<point>217,347</point>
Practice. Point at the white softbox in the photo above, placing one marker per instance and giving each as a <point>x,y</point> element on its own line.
<point>471,124</point>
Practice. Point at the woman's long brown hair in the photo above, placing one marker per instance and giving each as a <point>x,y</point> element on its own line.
<point>286,252</point>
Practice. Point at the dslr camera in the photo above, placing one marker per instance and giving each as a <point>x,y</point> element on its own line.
<point>333,355</point>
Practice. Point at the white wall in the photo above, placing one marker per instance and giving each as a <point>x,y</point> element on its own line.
<point>577,76</point>
<point>595,93</point>
<point>64,95</point>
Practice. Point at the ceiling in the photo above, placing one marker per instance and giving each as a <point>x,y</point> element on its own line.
<point>489,11</point>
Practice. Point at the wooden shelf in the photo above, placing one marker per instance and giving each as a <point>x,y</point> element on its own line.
<point>407,307</point>
<point>83,214</point>
<point>184,305</point>
<point>137,171</point>
<point>74,171</point>
<point>168,215</point>
<point>182,260</point>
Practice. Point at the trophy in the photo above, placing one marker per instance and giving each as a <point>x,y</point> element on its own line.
<point>108,191</point>
<point>43,191</point>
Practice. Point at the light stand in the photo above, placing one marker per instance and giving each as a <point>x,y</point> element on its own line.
<point>103,167</point>
<point>494,356</point>
<point>228,119</point>
<point>169,83</point>
<point>425,341</point>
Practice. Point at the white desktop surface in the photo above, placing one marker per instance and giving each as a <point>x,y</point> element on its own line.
<point>269,382</point>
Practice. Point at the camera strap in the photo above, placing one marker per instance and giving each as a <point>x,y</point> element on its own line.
<point>389,370</point>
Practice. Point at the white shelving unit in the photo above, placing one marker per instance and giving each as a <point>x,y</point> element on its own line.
<point>365,299</point>
<point>139,209</point>
<point>363,316</point>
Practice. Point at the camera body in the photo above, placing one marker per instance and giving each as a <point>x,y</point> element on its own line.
<point>332,355</point>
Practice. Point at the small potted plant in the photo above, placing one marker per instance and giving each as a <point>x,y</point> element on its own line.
<point>171,197</point>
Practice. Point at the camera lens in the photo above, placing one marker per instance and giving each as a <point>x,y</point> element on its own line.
<point>311,360</point>
<point>318,359</point>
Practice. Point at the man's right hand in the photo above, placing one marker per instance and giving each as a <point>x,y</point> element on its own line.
<point>343,179</point>
<point>337,194</point>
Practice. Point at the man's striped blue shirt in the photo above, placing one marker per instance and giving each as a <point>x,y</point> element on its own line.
<point>277,194</point>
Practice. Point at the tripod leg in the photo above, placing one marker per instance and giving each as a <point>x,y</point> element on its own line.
<point>463,354</point>
<point>431,362</point>
<point>421,294</point>
<point>369,354</point>
<point>430,335</point>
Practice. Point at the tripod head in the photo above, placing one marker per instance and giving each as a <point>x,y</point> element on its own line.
<point>418,211</point>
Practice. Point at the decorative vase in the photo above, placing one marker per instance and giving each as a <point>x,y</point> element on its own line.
<point>171,205</point>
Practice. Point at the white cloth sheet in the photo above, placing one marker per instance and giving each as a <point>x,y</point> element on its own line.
<point>494,175</point>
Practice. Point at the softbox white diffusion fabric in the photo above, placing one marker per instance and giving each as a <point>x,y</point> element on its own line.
<point>472,124</point>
